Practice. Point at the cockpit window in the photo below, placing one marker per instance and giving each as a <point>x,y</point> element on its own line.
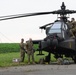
<point>55,28</point>
<point>64,27</point>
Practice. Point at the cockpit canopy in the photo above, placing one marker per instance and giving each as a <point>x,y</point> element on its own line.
<point>59,27</point>
<point>55,28</point>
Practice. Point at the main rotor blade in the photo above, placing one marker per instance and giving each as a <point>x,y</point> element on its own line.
<point>61,12</point>
<point>22,15</point>
<point>64,12</point>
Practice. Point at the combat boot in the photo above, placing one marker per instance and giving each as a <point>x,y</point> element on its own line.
<point>34,63</point>
<point>28,63</point>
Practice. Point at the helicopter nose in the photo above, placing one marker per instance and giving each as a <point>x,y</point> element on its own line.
<point>55,42</point>
<point>52,42</point>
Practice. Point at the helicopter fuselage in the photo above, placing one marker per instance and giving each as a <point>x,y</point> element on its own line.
<point>58,40</point>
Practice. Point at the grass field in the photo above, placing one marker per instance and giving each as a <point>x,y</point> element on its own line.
<point>8,51</point>
<point>6,58</point>
<point>11,47</point>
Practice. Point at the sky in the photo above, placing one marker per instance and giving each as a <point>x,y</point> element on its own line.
<point>11,31</point>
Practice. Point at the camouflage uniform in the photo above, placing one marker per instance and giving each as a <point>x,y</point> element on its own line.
<point>73,30</point>
<point>22,50</point>
<point>30,51</point>
<point>59,61</point>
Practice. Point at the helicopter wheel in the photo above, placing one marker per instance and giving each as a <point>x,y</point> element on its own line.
<point>74,58</point>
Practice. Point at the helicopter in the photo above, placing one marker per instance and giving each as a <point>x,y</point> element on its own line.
<point>57,40</point>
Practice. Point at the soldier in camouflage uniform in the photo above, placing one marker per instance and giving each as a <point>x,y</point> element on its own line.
<point>22,50</point>
<point>30,51</point>
<point>59,61</point>
<point>73,30</point>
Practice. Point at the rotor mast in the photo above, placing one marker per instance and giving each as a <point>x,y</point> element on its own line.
<point>62,15</point>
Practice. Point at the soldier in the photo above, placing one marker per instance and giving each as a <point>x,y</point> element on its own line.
<point>22,50</point>
<point>73,30</point>
<point>59,61</point>
<point>30,50</point>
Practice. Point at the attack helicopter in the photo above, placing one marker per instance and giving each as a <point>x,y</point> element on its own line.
<point>57,40</point>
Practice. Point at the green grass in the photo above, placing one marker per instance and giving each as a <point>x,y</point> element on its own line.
<point>8,51</point>
<point>9,47</point>
<point>6,58</point>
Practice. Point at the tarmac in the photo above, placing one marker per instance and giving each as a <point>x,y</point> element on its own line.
<point>37,69</point>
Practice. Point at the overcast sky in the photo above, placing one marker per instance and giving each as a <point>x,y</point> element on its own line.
<point>28,27</point>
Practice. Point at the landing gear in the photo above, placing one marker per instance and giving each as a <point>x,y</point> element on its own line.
<point>74,58</point>
<point>47,58</point>
<point>40,50</point>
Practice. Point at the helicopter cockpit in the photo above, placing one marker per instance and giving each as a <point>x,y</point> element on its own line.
<point>59,28</point>
<point>55,28</point>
